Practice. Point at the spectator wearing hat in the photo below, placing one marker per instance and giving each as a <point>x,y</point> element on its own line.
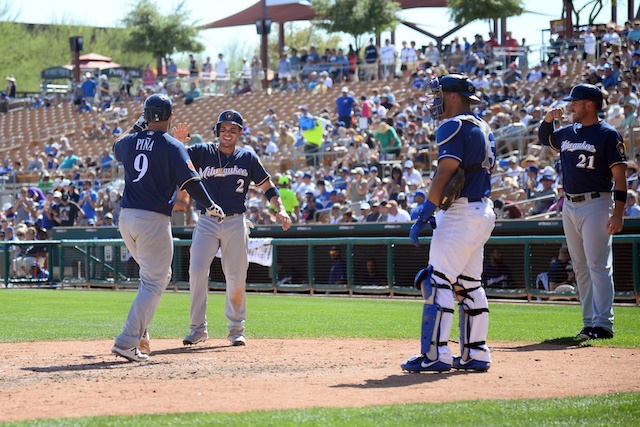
<point>358,187</point>
<point>411,174</point>
<point>322,195</point>
<point>374,211</point>
<point>310,208</point>
<point>390,143</point>
<point>344,106</point>
<point>546,182</point>
<point>289,199</point>
<point>396,213</point>
<point>365,208</point>
<point>305,186</point>
<point>611,36</point>
<point>419,197</point>
<point>67,213</point>
<point>11,87</point>
<point>630,119</point>
<point>341,182</point>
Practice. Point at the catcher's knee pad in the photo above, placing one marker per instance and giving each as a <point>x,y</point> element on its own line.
<point>437,316</point>
<point>473,312</point>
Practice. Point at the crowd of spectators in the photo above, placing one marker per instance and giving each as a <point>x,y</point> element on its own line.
<point>368,156</point>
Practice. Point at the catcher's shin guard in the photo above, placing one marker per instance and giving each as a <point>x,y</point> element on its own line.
<point>436,319</point>
<point>473,315</point>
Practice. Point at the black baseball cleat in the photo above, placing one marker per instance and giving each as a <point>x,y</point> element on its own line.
<point>599,332</point>
<point>585,333</point>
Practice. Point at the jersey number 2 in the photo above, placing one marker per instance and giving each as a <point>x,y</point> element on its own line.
<point>240,188</point>
<point>585,162</point>
<point>141,165</point>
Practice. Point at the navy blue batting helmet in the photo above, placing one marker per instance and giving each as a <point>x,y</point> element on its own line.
<point>158,108</point>
<point>587,92</point>
<point>229,116</point>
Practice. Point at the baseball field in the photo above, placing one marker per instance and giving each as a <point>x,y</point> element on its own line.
<point>308,361</point>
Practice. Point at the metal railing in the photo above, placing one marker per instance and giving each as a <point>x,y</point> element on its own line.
<point>105,262</point>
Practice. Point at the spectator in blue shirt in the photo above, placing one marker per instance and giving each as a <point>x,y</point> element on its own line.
<point>88,201</point>
<point>344,106</point>
<point>338,272</point>
<point>88,87</point>
<point>340,65</point>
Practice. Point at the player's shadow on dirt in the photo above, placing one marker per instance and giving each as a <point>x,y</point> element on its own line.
<point>404,380</point>
<point>87,366</point>
<point>552,344</point>
<point>189,349</point>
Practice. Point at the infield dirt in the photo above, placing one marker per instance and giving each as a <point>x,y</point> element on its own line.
<point>82,378</point>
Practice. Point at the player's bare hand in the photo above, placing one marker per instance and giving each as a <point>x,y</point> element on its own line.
<point>554,113</point>
<point>614,225</point>
<point>181,132</point>
<point>285,218</point>
<point>215,211</point>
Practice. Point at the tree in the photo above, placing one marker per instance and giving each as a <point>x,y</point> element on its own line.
<point>465,11</point>
<point>356,17</point>
<point>160,35</point>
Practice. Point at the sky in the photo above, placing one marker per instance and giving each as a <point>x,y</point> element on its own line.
<point>434,20</point>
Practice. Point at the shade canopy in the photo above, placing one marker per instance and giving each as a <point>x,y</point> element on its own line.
<point>286,10</point>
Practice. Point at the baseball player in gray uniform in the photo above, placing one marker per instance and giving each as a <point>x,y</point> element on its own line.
<point>592,153</point>
<point>226,171</point>
<point>155,165</point>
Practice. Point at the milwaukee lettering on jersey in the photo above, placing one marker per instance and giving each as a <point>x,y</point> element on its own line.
<point>145,144</point>
<point>209,172</point>
<point>577,146</point>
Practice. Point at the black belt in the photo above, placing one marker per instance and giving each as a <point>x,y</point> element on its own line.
<point>474,199</point>
<point>582,197</point>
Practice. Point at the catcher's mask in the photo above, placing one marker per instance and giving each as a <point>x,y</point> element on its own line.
<point>458,83</point>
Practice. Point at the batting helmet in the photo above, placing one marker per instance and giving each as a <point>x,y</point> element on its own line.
<point>229,116</point>
<point>457,83</point>
<point>158,108</point>
<point>587,92</point>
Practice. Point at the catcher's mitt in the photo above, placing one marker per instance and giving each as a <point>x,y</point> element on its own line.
<point>452,190</point>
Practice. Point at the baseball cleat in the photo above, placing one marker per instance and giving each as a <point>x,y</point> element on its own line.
<point>471,365</point>
<point>132,354</point>
<point>585,333</point>
<point>420,363</point>
<point>237,340</point>
<point>195,337</point>
<point>599,332</point>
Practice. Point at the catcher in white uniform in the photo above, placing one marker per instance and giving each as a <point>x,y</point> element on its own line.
<point>461,188</point>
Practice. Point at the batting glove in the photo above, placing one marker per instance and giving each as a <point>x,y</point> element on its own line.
<point>140,124</point>
<point>426,217</point>
<point>215,211</point>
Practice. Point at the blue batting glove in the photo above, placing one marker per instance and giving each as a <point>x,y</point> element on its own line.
<point>426,217</point>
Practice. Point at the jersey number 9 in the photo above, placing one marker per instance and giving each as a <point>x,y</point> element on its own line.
<point>141,165</point>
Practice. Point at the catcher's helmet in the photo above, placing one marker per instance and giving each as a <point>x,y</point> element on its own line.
<point>229,116</point>
<point>587,92</point>
<point>450,83</point>
<point>157,108</point>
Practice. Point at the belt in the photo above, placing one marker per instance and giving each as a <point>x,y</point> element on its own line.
<point>204,211</point>
<point>474,199</point>
<point>582,197</point>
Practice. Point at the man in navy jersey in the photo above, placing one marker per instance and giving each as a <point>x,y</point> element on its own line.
<point>460,230</point>
<point>156,165</point>
<point>226,171</point>
<point>592,154</point>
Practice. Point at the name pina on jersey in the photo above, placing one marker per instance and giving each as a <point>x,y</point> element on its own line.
<point>145,144</point>
<point>577,146</point>
<point>210,171</point>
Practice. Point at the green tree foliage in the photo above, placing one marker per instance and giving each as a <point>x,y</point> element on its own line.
<point>161,35</point>
<point>464,11</point>
<point>26,50</point>
<point>356,17</point>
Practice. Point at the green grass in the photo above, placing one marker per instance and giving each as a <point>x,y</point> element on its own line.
<point>620,409</point>
<point>39,315</point>
<point>45,315</point>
